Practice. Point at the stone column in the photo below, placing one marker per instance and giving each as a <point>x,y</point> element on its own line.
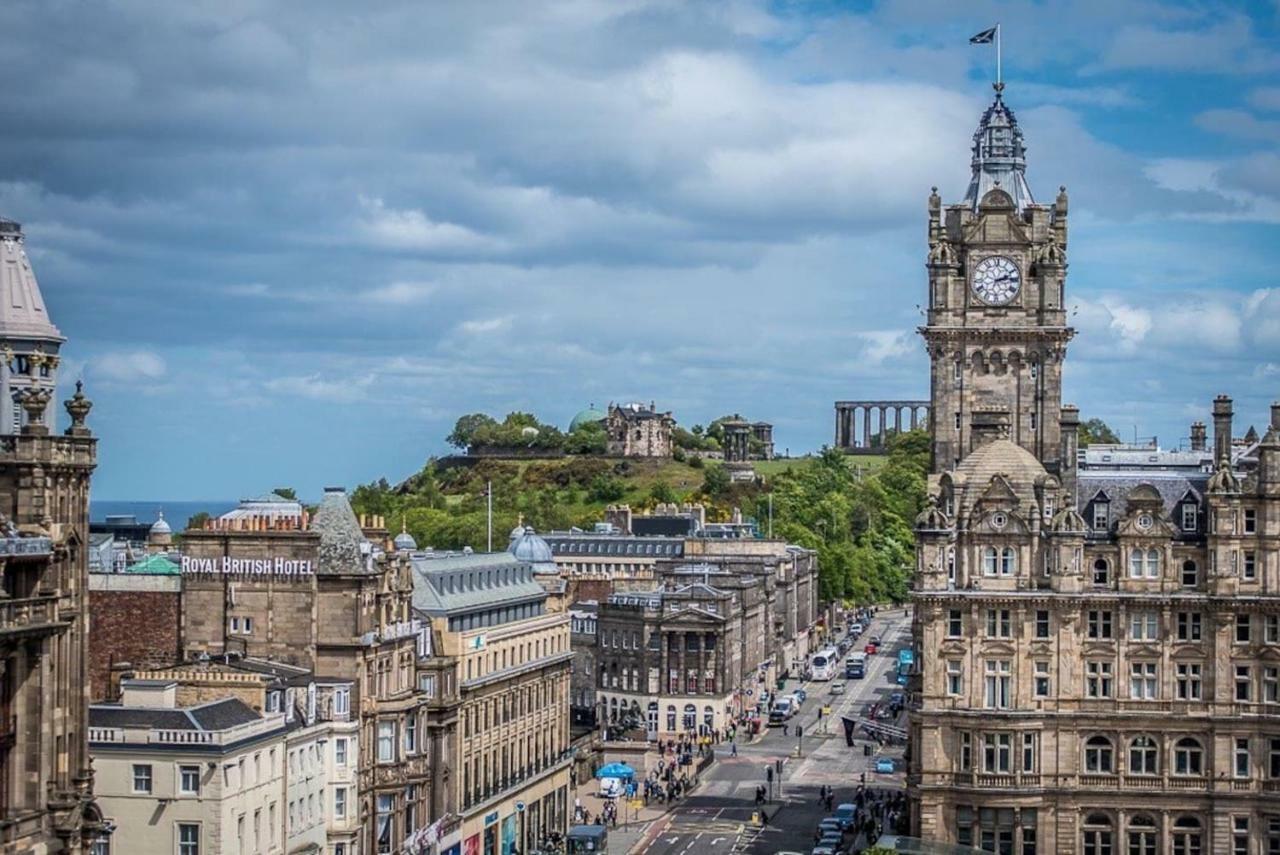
<point>897,419</point>
<point>866,427</point>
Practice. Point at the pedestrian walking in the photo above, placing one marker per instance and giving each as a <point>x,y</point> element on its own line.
<point>733,751</point>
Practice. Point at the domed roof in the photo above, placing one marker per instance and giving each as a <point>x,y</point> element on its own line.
<point>160,526</point>
<point>529,548</point>
<point>1001,457</point>
<point>587,416</point>
<point>404,542</point>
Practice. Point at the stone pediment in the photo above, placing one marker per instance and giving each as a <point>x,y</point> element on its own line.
<point>996,227</point>
<point>999,521</point>
<point>998,648</point>
<point>1143,522</point>
<point>691,617</point>
<point>998,494</point>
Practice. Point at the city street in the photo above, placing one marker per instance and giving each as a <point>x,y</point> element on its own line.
<point>717,817</point>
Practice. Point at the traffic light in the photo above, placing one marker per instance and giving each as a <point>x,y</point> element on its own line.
<point>799,732</point>
<point>768,774</point>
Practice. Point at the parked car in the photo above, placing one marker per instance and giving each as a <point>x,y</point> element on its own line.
<point>830,824</point>
<point>897,698</point>
<point>837,687</point>
<point>845,814</point>
<point>856,629</point>
<point>800,695</point>
<point>823,850</point>
<point>835,840</point>
<point>886,766</point>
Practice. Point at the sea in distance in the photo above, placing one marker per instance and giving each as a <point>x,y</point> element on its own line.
<point>175,513</point>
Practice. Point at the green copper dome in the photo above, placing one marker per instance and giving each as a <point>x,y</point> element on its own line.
<point>590,414</point>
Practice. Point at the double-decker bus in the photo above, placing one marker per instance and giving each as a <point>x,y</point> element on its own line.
<point>906,661</point>
<point>826,664</point>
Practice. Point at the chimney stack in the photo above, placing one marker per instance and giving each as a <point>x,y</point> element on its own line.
<point>1275,415</point>
<point>1199,437</point>
<point>1222,429</point>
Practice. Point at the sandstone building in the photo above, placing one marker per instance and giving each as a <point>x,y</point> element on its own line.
<point>46,782</point>
<point>1099,647</point>
<point>334,597</point>
<point>634,430</point>
<point>509,764</point>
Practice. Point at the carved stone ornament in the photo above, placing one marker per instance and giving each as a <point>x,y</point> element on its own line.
<point>78,407</point>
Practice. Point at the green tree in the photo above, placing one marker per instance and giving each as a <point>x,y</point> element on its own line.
<point>286,493</point>
<point>587,438</point>
<point>716,481</point>
<point>197,520</point>
<point>1096,431</point>
<point>464,430</point>
<point>606,488</point>
<point>661,492</point>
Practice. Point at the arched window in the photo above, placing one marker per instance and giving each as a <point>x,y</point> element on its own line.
<point>1190,575</point>
<point>1188,757</point>
<point>1142,835</point>
<point>690,717</point>
<point>1097,834</point>
<point>1098,755</point>
<point>671,719</point>
<point>989,561</point>
<point>1144,756</point>
<point>708,715</point>
<point>1153,564</point>
<point>1101,571</point>
<point>1186,836</point>
<point>613,709</point>
<point>1008,561</point>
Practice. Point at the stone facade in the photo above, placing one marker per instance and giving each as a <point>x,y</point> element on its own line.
<point>1099,650</point>
<point>334,598</point>
<point>633,430</point>
<point>510,659</point>
<point>46,781</point>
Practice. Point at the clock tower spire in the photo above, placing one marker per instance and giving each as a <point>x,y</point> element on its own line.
<point>996,329</point>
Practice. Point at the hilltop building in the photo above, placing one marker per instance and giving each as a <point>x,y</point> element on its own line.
<point>1099,643</point>
<point>634,430</point>
<point>46,781</point>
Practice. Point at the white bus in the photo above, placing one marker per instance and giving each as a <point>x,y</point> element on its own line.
<point>826,664</point>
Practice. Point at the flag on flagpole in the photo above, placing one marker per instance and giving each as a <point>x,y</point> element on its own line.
<point>985,37</point>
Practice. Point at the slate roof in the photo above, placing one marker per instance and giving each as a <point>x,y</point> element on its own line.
<point>461,583</point>
<point>23,313</point>
<point>341,539</point>
<point>1171,486</point>
<point>213,716</point>
<point>573,543</point>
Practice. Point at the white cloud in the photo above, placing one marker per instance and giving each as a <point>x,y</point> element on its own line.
<point>883,345</point>
<point>127,366</point>
<point>317,387</point>
<point>1226,47</point>
<point>482,326</point>
<point>402,293</point>
<point>412,229</point>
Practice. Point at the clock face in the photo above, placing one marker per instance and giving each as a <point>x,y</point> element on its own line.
<point>996,280</point>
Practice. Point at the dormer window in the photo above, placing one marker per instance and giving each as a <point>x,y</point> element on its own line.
<point>1101,516</point>
<point>1190,517</point>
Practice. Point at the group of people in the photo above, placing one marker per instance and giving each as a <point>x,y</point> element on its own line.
<point>878,809</point>
<point>667,782</point>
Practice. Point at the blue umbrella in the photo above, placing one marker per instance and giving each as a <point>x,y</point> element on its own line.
<point>615,770</point>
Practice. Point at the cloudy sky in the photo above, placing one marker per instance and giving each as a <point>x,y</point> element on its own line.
<point>291,241</point>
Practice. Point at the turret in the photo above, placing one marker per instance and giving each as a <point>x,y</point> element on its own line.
<point>29,341</point>
<point>1222,429</point>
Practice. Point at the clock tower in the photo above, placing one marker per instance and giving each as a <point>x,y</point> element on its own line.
<point>997,331</point>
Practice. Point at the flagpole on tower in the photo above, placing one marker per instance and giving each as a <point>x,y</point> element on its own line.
<point>999,70</point>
